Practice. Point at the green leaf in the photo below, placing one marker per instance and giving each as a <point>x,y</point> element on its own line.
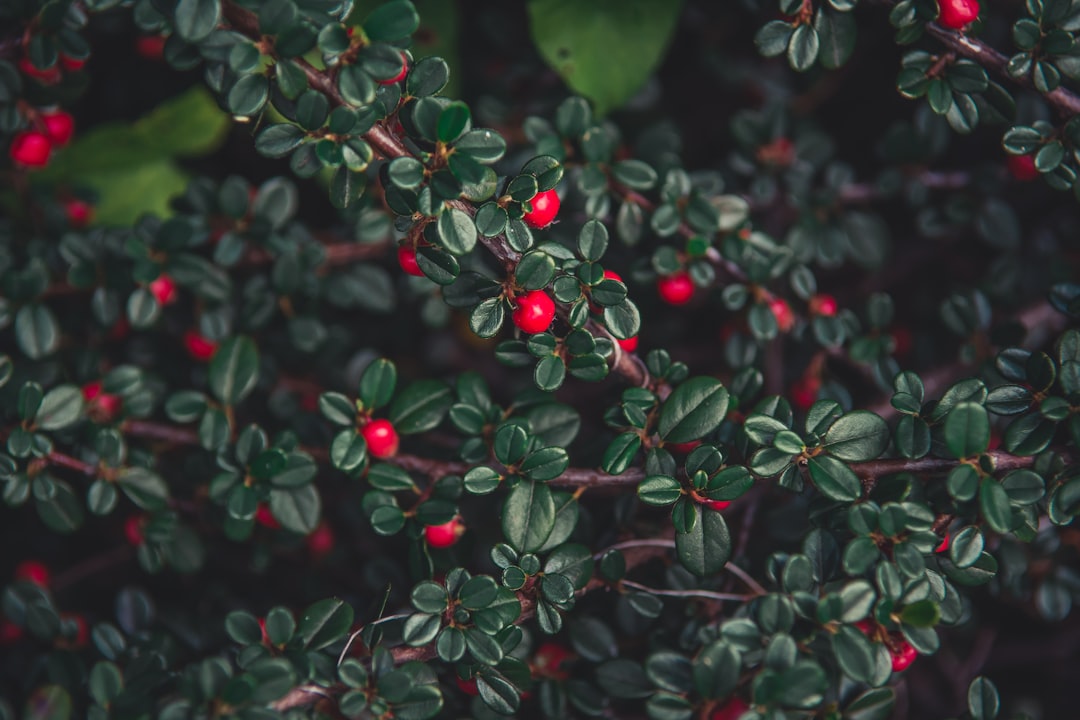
<point>707,547</point>
<point>421,406</point>
<point>60,407</point>
<point>392,21</point>
<point>983,700</point>
<point>994,505</point>
<point>324,623</point>
<point>106,682</point>
<point>857,436</point>
<point>835,479</point>
<point>196,19</point>
<point>377,384</point>
<point>454,120</point>
<point>36,331</point>
<point>457,232</point>
<point>528,517</point>
<point>967,430</point>
<point>603,49</point>
<point>803,48</point>
<point>695,408</point>
<point>234,370</point>
<point>297,508</point>
<point>144,487</point>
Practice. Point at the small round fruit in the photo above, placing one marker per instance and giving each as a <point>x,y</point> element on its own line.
<point>548,660</point>
<point>48,76</point>
<point>406,258</point>
<point>72,64</point>
<point>133,530</point>
<point>534,311</point>
<point>151,47</point>
<point>676,289</point>
<point>59,126</point>
<point>629,344</point>
<point>731,710</point>
<point>33,571</point>
<point>79,213</point>
<point>902,655</point>
<point>264,517</point>
<point>163,288</point>
<point>804,392</point>
<point>401,75</point>
<point>944,545</point>
<point>381,438</point>
<point>199,347</point>
<point>545,206</point>
<point>718,505</point>
<point>467,686</point>
<point>865,627</point>
<point>445,535</point>
<point>321,540</point>
<point>1023,167</point>
<point>956,14</point>
<point>785,319</point>
<point>30,149</point>
<point>824,305</point>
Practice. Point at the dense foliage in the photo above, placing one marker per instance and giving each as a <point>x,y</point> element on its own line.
<point>325,394</point>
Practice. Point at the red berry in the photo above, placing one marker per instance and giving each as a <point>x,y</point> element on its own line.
<point>824,305</point>
<point>956,14</point>
<point>59,126</point>
<point>33,571</point>
<point>944,543</point>
<point>902,654</point>
<point>321,540</point>
<point>133,530</point>
<point>72,64</point>
<point>9,632</point>
<point>731,710</point>
<point>262,631</point>
<point>718,505</point>
<point>676,289</point>
<point>406,258</point>
<point>401,75</point>
<point>467,686</point>
<point>199,347</point>
<point>445,535</point>
<point>684,448</point>
<point>548,661</point>
<point>102,405</point>
<point>1023,167</point>
<point>545,206</point>
<point>785,319</point>
<point>151,47</point>
<point>163,288</point>
<point>30,149</point>
<point>309,402</point>
<point>534,311</point>
<point>865,627</point>
<point>612,275</point>
<point>381,438</point>
<point>265,517</point>
<point>804,392</point>
<point>629,344</point>
<point>79,213</point>
<point>48,76</point>
<point>902,341</point>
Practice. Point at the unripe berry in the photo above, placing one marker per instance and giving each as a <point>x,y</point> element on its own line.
<point>445,535</point>
<point>401,75</point>
<point>48,76</point>
<point>406,257</point>
<point>163,288</point>
<point>533,311</point>
<point>545,206</point>
<point>79,213</point>
<point>731,710</point>
<point>321,540</point>
<point>198,347</point>
<point>133,530</point>
<point>902,654</point>
<point>956,14</point>
<point>824,305</point>
<point>1023,167</point>
<point>785,319</point>
<point>30,149</point>
<point>676,289</point>
<point>718,505</point>
<point>59,126</point>
<point>33,571</point>
<point>381,438</point>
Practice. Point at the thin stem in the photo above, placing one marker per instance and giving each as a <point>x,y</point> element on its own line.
<point>742,575</point>
<point>704,594</point>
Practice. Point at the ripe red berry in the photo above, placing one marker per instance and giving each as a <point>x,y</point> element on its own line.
<point>72,64</point>
<point>902,341</point>
<point>47,76</point>
<point>785,319</point>
<point>445,535</point>
<point>804,391</point>
<point>163,288</point>
<point>406,257</point>
<point>264,517</point>
<point>534,311</point>
<point>401,75</point>
<point>133,530</point>
<point>199,347</point>
<point>902,654</point>
<point>731,710</point>
<point>30,149</point>
<point>381,438</point>
<point>321,540</point>
<point>9,632</point>
<point>33,571</point>
<point>467,686</point>
<point>944,543</point>
<point>956,14</point>
<point>612,275</point>
<point>676,289</point>
<point>79,213</point>
<point>262,630</point>
<point>629,344</point>
<point>59,126</point>
<point>824,305</point>
<point>865,627</point>
<point>1023,167</point>
<point>548,660</point>
<point>779,153</point>
<point>545,206</point>
<point>718,505</point>
<point>151,47</point>
<point>684,448</point>
<point>102,405</point>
